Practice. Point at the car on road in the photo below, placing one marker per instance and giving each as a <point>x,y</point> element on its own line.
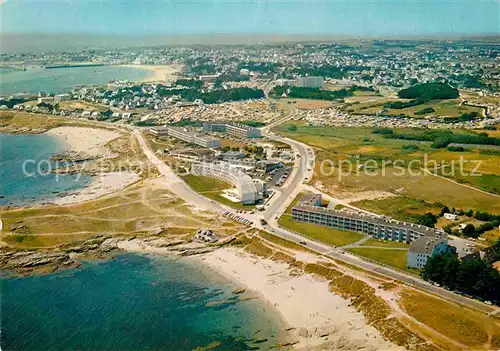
<point>271,230</point>
<point>303,242</point>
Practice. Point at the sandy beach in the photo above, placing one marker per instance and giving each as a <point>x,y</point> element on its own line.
<point>314,317</point>
<point>320,319</point>
<point>91,141</point>
<point>159,73</point>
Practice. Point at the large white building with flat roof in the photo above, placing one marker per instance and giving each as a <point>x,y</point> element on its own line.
<point>233,129</point>
<point>187,136</point>
<point>378,227</point>
<point>310,82</point>
<point>423,248</point>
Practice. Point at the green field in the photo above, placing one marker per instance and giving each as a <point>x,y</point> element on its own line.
<point>384,243</point>
<point>202,184</point>
<point>393,258</point>
<point>327,235</point>
<point>357,145</point>
<point>373,104</point>
<point>401,208</point>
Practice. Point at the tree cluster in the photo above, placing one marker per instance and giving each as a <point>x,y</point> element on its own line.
<point>214,96</point>
<point>472,276</point>
<point>313,93</point>
<point>189,83</point>
<point>429,91</point>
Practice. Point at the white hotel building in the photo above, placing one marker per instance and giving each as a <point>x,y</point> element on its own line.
<point>249,192</point>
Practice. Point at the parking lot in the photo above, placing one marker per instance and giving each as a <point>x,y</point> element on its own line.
<point>277,177</point>
<point>236,217</point>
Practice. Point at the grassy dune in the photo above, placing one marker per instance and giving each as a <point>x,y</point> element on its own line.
<point>140,209</point>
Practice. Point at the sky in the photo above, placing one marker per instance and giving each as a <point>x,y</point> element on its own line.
<point>331,17</point>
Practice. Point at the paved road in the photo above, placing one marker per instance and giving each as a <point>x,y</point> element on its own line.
<point>291,188</point>
<point>176,184</point>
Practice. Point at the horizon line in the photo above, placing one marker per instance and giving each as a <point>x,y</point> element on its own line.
<point>243,34</point>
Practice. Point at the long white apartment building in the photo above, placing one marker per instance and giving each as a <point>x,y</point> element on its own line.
<point>310,82</point>
<point>249,192</point>
<point>233,129</point>
<point>377,227</point>
<point>187,136</point>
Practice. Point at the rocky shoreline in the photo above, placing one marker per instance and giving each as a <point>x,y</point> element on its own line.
<point>42,261</point>
<point>70,156</point>
<point>11,129</point>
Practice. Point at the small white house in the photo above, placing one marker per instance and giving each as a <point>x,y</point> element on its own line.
<point>450,216</point>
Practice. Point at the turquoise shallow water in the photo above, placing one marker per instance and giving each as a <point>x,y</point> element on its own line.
<point>132,303</point>
<point>23,171</point>
<point>62,80</point>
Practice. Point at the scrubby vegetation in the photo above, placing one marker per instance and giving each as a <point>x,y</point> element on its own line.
<point>440,138</point>
<point>425,111</point>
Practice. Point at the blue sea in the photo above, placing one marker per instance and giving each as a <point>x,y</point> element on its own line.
<point>62,80</point>
<point>24,170</point>
<point>133,302</point>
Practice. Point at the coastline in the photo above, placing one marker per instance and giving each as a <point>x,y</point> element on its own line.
<point>158,73</point>
<point>91,142</point>
<point>315,317</point>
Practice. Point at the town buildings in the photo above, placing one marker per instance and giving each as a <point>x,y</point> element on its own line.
<point>187,136</point>
<point>424,241</point>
